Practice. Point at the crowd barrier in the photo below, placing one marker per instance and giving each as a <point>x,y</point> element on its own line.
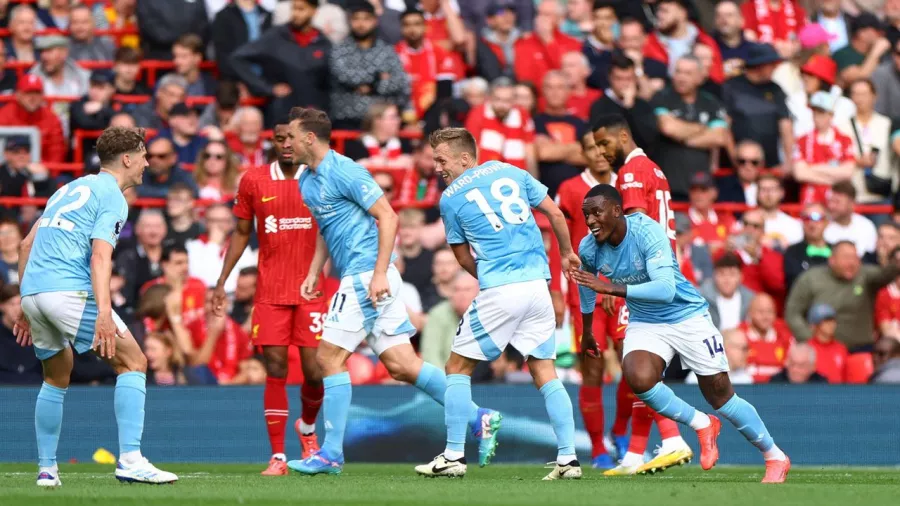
<point>816,425</point>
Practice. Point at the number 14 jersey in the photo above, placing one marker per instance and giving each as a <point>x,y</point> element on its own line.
<point>643,184</point>
<point>489,207</point>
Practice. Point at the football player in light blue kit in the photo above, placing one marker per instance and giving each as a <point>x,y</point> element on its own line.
<point>67,264</point>
<point>667,316</point>
<point>488,208</point>
<point>346,203</point>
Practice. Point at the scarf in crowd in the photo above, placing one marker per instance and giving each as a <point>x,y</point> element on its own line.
<point>390,151</point>
<point>765,21</point>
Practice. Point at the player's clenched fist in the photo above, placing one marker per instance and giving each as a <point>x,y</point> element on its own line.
<point>379,288</point>
<point>308,289</point>
<point>219,300</point>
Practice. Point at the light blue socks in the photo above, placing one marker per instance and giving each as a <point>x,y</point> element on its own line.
<point>559,408</point>
<point>457,411</point>
<point>746,420</point>
<point>48,413</point>
<point>434,382</point>
<point>128,400</point>
<point>664,401</point>
<point>335,408</point>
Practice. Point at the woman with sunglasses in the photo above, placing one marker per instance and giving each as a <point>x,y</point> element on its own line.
<point>217,172</point>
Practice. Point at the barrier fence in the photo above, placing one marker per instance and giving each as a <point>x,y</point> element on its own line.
<point>828,425</point>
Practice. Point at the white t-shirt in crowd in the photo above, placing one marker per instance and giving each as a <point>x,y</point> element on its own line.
<point>861,232</point>
<point>786,227</point>
<point>729,311</point>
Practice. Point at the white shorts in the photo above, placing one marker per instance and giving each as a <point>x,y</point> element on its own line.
<point>352,318</point>
<point>696,340</point>
<point>62,319</point>
<point>520,314</point>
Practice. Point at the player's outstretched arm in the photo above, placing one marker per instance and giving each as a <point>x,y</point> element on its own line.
<point>308,288</point>
<point>382,211</point>
<point>101,272</point>
<point>570,260</point>
<point>463,254</point>
<point>239,240</point>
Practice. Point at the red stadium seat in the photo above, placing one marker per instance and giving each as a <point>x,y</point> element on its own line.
<point>859,368</point>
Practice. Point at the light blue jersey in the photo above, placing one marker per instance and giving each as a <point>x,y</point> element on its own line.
<point>489,207</point>
<point>644,261</point>
<point>339,192</point>
<point>91,207</point>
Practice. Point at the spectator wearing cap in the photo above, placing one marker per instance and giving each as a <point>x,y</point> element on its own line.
<point>711,227</point>
<point>835,21</point>
<point>693,126</point>
<point>288,63</point>
<point>800,367</point>
<point>162,22</point>
<point>781,229</point>
<point>813,41</point>
<point>762,270</point>
<point>622,97</point>
<point>886,361</point>
<point>219,113</point>
<point>775,22</point>
<point>768,338</point>
<point>18,364</point>
<point>238,23</point>
<point>558,134</point>
<point>126,70</point>
<point>187,55</point>
<point>163,170</point>
<point>860,58</point>
<point>427,64</point>
<point>19,176</point>
<point>758,108</point>
<point>170,90</point>
<point>495,49</point>
<point>819,75</point>
<point>728,298</point>
<point>651,74</point>
<point>813,250</point>
<point>601,42</point>
<point>8,77</point>
<point>503,131</point>
<point>743,185</point>
<point>542,50</point>
<point>824,156</point>
<point>85,46</point>
<point>30,109</point>
<point>846,225</point>
<point>886,79</point>
<point>729,37</point>
<point>675,36</point>
<point>94,110</point>
<point>22,26</point>
<point>831,355</point>
<point>61,75</point>
<point>184,133</point>
<point>846,285</point>
<point>871,134</point>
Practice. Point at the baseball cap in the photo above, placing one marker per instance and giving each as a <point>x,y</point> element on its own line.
<point>50,42</point>
<point>101,76</point>
<point>702,180</point>
<point>823,101</point>
<point>812,35</point>
<point>30,83</point>
<point>18,142</point>
<point>497,6</point>
<point>819,313</point>
<point>180,109</point>
<point>360,6</point>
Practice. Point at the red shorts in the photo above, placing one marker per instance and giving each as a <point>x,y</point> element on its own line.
<point>283,325</point>
<point>605,326</point>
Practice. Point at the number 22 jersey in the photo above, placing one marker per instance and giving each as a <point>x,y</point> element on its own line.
<point>489,207</point>
<point>643,184</point>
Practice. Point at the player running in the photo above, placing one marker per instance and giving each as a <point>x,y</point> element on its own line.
<point>346,203</point>
<point>590,395</point>
<point>488,208</point>
<point>67,264</point>
<point>281,316</point>
<point>668,316</point>
<point>644,189</point>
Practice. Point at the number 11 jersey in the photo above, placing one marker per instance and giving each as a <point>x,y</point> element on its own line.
<point>489,207</point>
<point>643,184</point>
<point>91,207</point>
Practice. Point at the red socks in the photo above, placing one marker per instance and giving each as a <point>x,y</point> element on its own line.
<point>641,422</point>
<point>275,403</point>
<point>590,401</point>
<point>624,403</point>
<point>667,428</point>
<point>312,401</point>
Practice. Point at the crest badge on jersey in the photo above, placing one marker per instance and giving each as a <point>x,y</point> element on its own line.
<point>628,177</point>
<point>638,262</point>
<point>117,230</point>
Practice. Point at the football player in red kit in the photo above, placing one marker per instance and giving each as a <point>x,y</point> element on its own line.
<point>287,234</point>
<point>644,189</point>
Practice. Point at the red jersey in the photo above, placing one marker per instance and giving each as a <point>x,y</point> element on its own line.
<point>642,184</point>
<point>232,347</point>
<point>505,140</point>
<point>887,307</point>
<point>771,24</point>
<point>831,359</point>
<point>713,228</point>
<point>580,105</point>
<point>534,58</point>
<point>193,298</point>
<point>833,148</point>
<point>766,353</point>
<point>570,197</point>
<point>425,67</point>
<point>285,230</point>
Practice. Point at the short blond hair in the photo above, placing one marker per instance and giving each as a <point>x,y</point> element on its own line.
<point>457,139</point>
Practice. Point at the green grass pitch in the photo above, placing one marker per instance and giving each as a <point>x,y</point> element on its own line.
<point>397,484</point>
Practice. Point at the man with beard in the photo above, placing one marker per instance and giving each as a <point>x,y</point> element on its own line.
<point>676,35</point>
<point>364,70</point>
<point>502,130</point>
<point>293,59</point>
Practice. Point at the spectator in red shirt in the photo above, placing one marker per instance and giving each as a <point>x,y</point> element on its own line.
<point>675,37</point>
<point>710,227</point>
<point>768,338</point>
<point>444,26</point>
<point>543,49</point>
<point>576,69</point>
<point>776,22</point>
<point>29,109</point>
<point>763,269</point>
<point>887,308</point>
<point>503,131</point>
<point>174,264</point>
<point>831,355</point>
<point>824,156</point>
<point>221,343</point>
<point>245,139</point>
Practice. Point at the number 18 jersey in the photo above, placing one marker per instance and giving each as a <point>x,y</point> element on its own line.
<point>489,207</point>
<point>91,207</point>
<point>643,184</point>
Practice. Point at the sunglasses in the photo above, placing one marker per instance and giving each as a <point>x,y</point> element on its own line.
<point>214,156</point>
<point>749,161</point>
<point>158,155</point>
<point>814,216</point>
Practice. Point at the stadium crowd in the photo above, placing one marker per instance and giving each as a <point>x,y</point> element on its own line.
<point>776,122</point>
